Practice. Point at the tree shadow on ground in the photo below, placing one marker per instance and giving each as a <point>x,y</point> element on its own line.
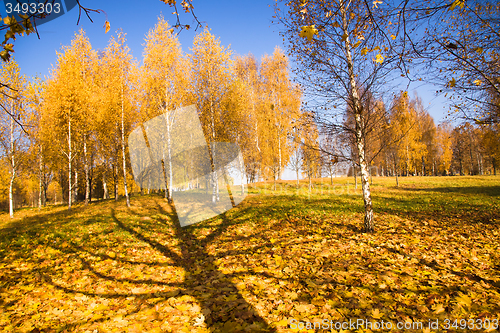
<point>465,206</point>
<point>221,302</point>
<point>493,191</point>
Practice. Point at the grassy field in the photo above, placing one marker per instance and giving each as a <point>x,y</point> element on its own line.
<point>280,257</point>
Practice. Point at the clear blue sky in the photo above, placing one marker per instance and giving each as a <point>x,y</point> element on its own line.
<point>244,25</point>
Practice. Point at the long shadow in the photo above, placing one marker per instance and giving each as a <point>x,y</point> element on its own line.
<point>493,191</point>
<point>223,306</point>
<point>468,213</point>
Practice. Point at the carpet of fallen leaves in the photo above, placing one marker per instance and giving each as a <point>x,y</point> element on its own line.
<point>280,255</point>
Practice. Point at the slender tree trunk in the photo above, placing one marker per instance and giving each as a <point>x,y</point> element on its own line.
<point>169,158</point>
<point>115,180</point>
<point>165,179</point>
<point>479,164</point>
<point>86,167</point>
<point>274,179</point>
<point>242,173</point>
<point>359,124</point>
<point>149,184</point>
<point>310,181</point>
<point>279,153</point>
<point>105,185</point>
<point>70,157</point>
<point>44,197</point>
<point>332,172</point>
<point>407,162</point>
<point>471,171</point>
<point>213,151</point>
<point>123,154</point>
<point>396,170</point>
<point>75,186</point>
<point>40,175</point>
<point>13,169</point>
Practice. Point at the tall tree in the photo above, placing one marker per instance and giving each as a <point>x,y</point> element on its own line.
<point>406,135</point>
<point>41,149</point>
<point>247,71</point>
<point>116,106</point>
<point>11,100</point>
<point>164,78</point>
<point>340,49</point>
<point>212,74</point>
<point>281,105</point>
<point>67,104</point>
<point>445,153</point>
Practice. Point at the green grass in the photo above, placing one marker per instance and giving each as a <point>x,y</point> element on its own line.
<point>280,255</point>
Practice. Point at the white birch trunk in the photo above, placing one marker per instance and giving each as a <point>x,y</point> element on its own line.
<point>279,152</point>
<point>115,177</point>
<point>169,157</point>
<point>242,173</point>
<point>164,171</point>
<point>13,169</point>
<point>359,123</point>
<point>40,172</point>
<point>123,154</point>
<point>75,185</point>
<point>70,187</point>
<point>86,167</point>
<point>105,185</point>
<point>215,179</point>
<point>170,171</point>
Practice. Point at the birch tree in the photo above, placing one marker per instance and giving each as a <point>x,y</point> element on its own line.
<point>164,76</point>
<point>341,52</point>
<point>66,106</point>
<point>212,73</point>
<point>247,70</point>
<point>406,134</point>
<point>11,100</point>
<point>116,106</point>
<point>281,104</point>
<point>41,149</point>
